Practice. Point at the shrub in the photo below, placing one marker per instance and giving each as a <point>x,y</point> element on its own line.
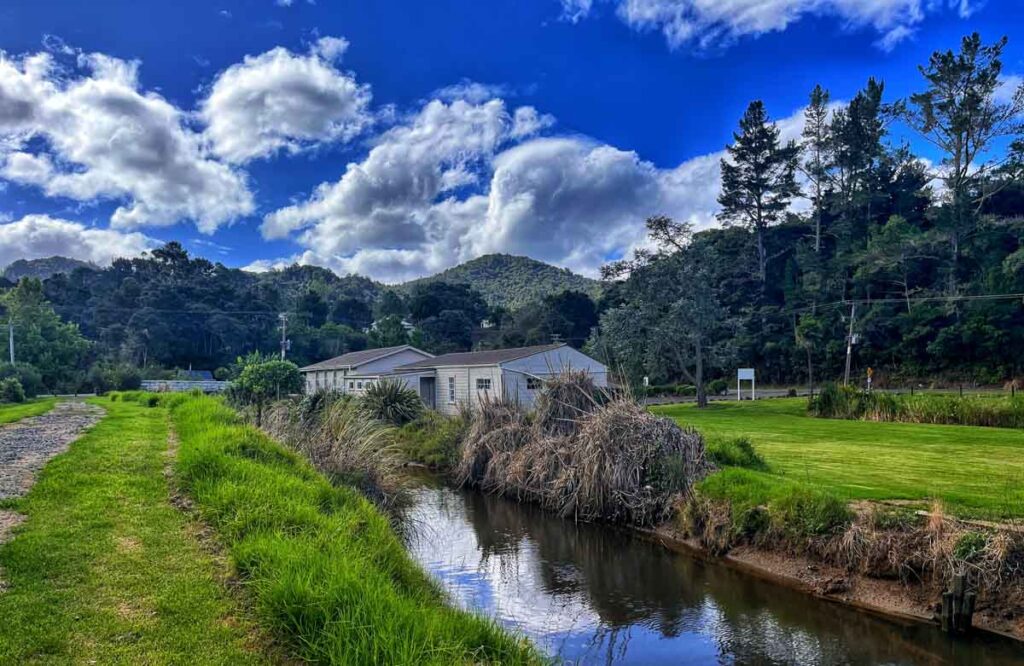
<point>261,381</point>
<point>735,452</point>
<point>29,378</point>
<point>152,400</point>
<point>11,390</point>
<point>392,401</point>
<point>969,546</point>
<point>848,403</point>
<point>104,377</point>
<point>717,386</point>
<point>433,440</point>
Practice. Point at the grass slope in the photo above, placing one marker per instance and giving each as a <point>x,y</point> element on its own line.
<point>104,570</point>
<point>9,413</point>
<point>975,471</point>
<point>327,572</point>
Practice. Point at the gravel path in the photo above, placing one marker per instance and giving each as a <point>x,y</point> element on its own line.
<point>27,445</point>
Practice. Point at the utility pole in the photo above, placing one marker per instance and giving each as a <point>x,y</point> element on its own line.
<point>849,344</point>
<point>284,333</point>
<point>10,337</point>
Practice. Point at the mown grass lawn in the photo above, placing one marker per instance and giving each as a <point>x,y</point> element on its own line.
<point>975,471</point>
<point>105,569</point>
<point>9,413</point>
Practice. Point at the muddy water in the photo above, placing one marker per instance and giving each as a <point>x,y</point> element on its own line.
<point>592,594</point>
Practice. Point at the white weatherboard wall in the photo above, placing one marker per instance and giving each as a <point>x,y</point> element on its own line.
<point>546,364</point>
<point>339,380</point>
<point>466,392</point>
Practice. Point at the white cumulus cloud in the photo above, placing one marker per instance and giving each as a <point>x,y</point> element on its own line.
<point>89,133</point>
<point>281,100</point>
<point>708,23</point>
<point>39,236</point>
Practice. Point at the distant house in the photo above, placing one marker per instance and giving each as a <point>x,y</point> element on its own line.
<point>452,380</point>
<point>354,372</point>
<point>195,375</point>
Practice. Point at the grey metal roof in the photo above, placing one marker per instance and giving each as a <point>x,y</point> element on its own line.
<point>486,357</point>
<point>353,359</point>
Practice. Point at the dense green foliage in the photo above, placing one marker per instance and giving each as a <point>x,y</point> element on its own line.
<point>734,452</point>
<point>837,402</point>
<point>512,282</point>
<point>11,390</point>
<point>909,246</point>
<point>433,440</point>
<point>107,570</point>
<point>391,401</point>
<point>263,380</point>
<point>973,471</point>
<point>328,574</point>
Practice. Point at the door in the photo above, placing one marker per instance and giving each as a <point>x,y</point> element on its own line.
<point>428,386</point>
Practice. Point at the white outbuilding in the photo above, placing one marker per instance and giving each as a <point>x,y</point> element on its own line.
<point>355,372</point>
<point>450,381</point>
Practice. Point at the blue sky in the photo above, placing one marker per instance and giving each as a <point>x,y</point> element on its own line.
<point>397,138</point>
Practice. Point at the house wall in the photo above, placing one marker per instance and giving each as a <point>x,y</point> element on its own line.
<point>339,380</point>
<point>516,373</point>
<point>465,382</point>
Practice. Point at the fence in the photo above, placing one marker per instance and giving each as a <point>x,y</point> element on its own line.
<point>182,385</point>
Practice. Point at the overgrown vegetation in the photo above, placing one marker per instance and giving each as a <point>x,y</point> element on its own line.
<point>327,573</point>
<point>106,570</point>
<point>735,452</point>
<point>11,391</point>
<point>433,440</point>
<point>838,402</point>
<point>582,455</point>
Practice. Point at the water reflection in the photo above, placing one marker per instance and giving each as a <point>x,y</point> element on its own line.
<point>592,594</point>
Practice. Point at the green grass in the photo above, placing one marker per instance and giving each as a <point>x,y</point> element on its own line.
<point>327,573</point>
<point>11,412</point>
<point>105,570</point>
<point>975,471</point>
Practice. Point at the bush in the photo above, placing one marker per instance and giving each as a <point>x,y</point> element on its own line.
<point>29,378</point>
<point>104,377</point>
<point>717,386</point>
<point>735,452</point>
<point>433,440</point>
<point>838,402</point>
<point>11,390</point>
<point>392,401</point>
<point>969,546</point>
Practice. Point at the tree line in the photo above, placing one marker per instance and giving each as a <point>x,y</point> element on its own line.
<point>912,260</point>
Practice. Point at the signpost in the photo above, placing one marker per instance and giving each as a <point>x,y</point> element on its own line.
<point>746,374</point>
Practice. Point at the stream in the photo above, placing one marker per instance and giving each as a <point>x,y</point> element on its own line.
<point>593,594</point>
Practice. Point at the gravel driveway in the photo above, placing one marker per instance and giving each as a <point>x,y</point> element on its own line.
<point>27,445</point>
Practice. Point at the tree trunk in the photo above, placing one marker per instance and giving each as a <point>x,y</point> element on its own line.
<point>702,398</point>
<point>810,372</point>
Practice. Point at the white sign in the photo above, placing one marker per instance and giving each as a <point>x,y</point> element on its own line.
<point>745,373</point>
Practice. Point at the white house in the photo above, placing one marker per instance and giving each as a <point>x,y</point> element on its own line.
<point>448,381</point>
<point>356,371</point>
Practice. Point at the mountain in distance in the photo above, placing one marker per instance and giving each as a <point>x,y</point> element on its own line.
<point>512,281</point>
<point>43,268</point>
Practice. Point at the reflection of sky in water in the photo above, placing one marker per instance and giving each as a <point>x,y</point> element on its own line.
<point>592,595</point>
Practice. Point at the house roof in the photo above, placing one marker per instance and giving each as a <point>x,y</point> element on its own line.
<point>486,357</point>
<point>354,359</point>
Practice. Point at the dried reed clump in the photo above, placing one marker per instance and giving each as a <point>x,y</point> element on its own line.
<point>583,456</point>
<point>343,442</point>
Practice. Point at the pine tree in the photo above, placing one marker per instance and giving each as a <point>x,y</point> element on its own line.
<point>758,179</point>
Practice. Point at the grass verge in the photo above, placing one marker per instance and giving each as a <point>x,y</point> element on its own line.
<point>326,571</point>
<point>104,569</point>
<point>9,413</point>
<point>975,471</point>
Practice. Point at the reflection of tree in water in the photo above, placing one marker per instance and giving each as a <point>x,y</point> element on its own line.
<point>628,581</point>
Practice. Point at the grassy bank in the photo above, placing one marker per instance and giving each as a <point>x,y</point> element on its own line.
<point>326,571</point>
<point>105,570</point>
<point>975,471</point>
<point>9,413</point>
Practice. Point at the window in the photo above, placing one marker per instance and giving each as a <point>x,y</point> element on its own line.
<point>351,385</point>
<point>534,383</point>
<point>359,385</point>
<point>451,390</point>
<point>483,384</point>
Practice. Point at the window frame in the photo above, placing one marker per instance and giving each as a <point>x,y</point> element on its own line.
<point>483,380</point>
<point>534,383</point>
<point>451,389</point>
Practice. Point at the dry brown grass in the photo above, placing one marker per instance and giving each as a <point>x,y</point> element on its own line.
<point>583,455</point>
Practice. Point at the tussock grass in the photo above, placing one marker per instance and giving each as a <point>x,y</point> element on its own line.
<point>327,573</point>
<point>837,402</point>
<point>22,410</point>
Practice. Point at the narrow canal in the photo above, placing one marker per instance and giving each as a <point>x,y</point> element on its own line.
<point>591,594</point>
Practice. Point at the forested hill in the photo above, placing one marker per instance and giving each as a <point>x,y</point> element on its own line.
<point>43,268</point>
<point>511,281</point>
